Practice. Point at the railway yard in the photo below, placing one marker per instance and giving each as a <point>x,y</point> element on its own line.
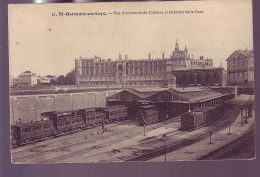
<point>144,124</point>
<point>125,141</point>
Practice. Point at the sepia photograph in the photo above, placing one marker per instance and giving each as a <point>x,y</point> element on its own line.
<point>131,81</point>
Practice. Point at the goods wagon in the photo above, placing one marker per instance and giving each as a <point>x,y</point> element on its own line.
<point>218,110</point>
<point>192,120</point>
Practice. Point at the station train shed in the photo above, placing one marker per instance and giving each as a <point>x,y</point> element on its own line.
<point>169,101</point>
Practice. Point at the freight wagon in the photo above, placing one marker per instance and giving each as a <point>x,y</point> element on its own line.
<point>194,119</point>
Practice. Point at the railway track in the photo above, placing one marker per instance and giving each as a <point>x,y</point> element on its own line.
<point>82,147</point>
<point>28,153</point>
<point>214,127</point>
<point>92,151</point>
<point>67,133</point>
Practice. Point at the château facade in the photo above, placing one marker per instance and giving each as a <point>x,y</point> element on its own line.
<point>125,71</point>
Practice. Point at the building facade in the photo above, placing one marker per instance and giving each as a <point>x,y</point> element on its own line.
<point>44,80</point>
<point>27,79</point>
<point>211,76</point>
<point>124,71</point>
<point>13,82</point>
<point>240,68</point>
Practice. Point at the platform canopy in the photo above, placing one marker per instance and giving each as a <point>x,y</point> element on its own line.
<point>175,95</point>
<point>242,100</point>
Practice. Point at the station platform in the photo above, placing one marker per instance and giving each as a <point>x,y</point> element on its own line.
<point>204,147</point>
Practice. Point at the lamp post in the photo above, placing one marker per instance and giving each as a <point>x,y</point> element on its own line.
<point>242,117</point>
<point>144,128</point>
<point>229,132</point>
<point>164,140</point>
<point>210,134</point>
<point>166,117</point>
<point>103,127</point>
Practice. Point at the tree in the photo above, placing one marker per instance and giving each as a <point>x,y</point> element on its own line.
<point>70,78</point>
<point>53,82</point>
<point>60,80</point>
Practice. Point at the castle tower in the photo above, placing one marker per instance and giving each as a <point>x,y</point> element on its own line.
<point>176,46</point>
<point>185,49</point>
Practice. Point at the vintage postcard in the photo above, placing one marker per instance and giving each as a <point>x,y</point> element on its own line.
<point>131,81</point>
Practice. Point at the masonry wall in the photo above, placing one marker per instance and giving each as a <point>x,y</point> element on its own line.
<point>29,108</point>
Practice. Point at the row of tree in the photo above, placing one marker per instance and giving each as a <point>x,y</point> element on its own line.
<point>69,79</point>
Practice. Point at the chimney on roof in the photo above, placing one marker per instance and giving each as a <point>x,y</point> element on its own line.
<point>149,56</point>
<point>125,57</point>
<point>162,55</point>
<point>120,57</point>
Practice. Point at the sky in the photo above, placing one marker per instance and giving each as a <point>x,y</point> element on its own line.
<point>46,44</point>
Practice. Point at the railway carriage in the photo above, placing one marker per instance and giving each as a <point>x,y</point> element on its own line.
<point>148,114</point>
<point>26,132</point>
<point>66,121</point>
<point>92,116</point>
<point>56,123</point>
<point>114,113</point>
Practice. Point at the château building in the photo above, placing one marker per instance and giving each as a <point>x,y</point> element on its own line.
<point>125,71</point>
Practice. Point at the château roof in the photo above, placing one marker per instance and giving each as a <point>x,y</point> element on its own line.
<point>197,68</point>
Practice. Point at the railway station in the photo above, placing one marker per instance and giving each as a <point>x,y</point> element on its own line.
<point>172,101</point>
